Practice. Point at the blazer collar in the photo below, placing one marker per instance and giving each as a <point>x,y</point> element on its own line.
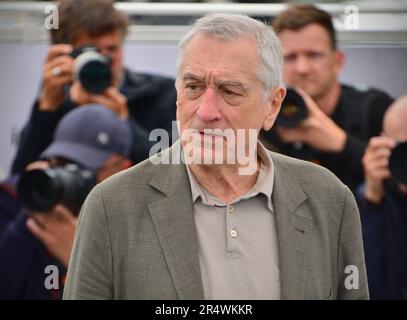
<point>294,227</point>
<point>173,219</point>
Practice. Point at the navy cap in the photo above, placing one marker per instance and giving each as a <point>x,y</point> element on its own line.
<point>89,135</point>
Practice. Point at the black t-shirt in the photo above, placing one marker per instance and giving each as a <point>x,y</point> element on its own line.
<point>360,115</point>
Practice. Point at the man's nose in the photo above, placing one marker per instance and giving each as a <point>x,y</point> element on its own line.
<point>208,110</point>
<point>302,65</point>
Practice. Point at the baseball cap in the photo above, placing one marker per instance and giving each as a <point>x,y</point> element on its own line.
<point>89,135</point>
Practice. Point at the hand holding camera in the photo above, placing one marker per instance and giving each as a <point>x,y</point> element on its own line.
<point>90,73</point>
<point>384,158</point>
<point>301,120</point>
<point>57,72</point>
<point>111,98</point>
<point>52,197</point>
<point>376,167</point>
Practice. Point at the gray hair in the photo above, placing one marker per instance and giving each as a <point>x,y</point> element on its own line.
<point>227,27</point>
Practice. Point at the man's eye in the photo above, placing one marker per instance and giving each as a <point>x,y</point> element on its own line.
<point>314,55</point>
<point>230,93</point>
<point>193,87</point>
<point>290,58</point>
<point>193,90</point>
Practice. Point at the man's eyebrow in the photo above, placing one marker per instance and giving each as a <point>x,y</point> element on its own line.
<point>232,83</point>
<point>191,76</point>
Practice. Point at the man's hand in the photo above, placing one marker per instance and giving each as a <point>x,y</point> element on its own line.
<point>318,130</point>
<point>110,98</point>
<point>56,230</point>
<point>376,167</point>
<point>57,72</point>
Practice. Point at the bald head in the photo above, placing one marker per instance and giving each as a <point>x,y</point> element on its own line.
<point>395,119</point>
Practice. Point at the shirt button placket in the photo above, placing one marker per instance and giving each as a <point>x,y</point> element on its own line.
<point>231,232</point>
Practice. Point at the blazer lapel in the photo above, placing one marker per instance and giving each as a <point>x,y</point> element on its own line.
<point>173,219</point>
<point>293,231</point>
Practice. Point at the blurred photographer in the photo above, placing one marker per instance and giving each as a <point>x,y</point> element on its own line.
<point>336,134</point>
<point>382,202</point>
<point>146,100</point>
<point>90,144</point>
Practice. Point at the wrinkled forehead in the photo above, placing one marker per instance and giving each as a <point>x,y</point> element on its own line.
<point>209,57</point>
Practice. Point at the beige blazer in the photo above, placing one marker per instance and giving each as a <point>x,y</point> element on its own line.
<point>136,237</point>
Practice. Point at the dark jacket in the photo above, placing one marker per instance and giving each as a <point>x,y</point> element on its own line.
<point>151,101</point>
<point>360,115</point>
<point>9,204</point>
<point>384,229</point>
<point>23,264</point>
<point>23,258</point>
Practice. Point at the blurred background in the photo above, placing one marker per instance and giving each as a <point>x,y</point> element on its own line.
<point>373,35</point>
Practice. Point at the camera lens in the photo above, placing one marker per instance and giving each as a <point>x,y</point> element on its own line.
<point>293,110</point>
<point>40,190</point>
<point>398,163</point>
<point>92,69</point>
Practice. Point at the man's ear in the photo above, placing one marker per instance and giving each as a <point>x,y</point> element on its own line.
<point>275,99</point>
<point>339,61</point>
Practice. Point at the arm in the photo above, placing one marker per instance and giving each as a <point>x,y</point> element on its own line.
<point>374,226</point>
<point>37,134</point>
<point>90,272</point>
<point>365,111</point>
<point>353,284</point>
<point>49,108</point>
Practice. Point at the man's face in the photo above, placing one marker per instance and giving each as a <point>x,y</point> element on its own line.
<point>310,62</point>
<point>218,88</point>
<point>109,44</point>
<point>113,164</point>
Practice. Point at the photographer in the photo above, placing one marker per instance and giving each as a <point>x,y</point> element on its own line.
<point>146,100</point>
<point>382,202</point>
<point>90,144</point>
<point>336,136</point>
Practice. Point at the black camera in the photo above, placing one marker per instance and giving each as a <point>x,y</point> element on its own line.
<point>40,190</point>
<point>92,69</point>
<point>398,163</point>
<point>293,110</point>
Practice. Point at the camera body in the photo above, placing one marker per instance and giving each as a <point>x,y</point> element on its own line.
<point>398,163</point>
<point>92,69</point>
<point>293,110</point>
<point>41,189</point>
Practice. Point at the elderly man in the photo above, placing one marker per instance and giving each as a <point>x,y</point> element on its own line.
<point>207,229</point>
